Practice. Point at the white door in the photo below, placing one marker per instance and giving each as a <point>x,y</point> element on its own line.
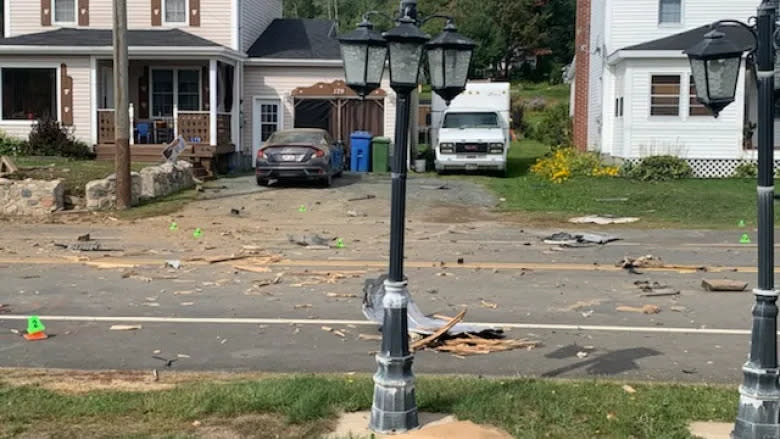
<point>266,120</point>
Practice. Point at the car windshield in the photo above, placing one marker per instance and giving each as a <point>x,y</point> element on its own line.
<point>471,120</point>
<point>297,138</point>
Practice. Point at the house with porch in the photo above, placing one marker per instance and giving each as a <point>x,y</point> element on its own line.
<point>222,74</point>
<point>633,95</point>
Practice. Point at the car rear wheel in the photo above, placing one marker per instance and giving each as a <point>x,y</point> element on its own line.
<point>326,181</point>
<point>262,181</point>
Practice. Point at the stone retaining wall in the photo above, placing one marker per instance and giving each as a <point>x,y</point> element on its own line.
<point>152,182</point>
<point>31,197</point>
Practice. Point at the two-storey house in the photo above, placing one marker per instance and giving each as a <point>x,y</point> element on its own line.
<point>633,95</point>
<point>223,74</point>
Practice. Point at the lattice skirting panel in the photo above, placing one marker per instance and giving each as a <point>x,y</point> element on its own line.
<point>713,168</point>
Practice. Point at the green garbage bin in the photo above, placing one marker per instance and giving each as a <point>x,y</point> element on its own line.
<point>380,154</point>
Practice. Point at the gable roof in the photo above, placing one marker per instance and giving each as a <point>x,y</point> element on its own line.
<point>294,38</point>
<point>103,37</point>
<point>685,40</point>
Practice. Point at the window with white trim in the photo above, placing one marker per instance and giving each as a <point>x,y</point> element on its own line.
<point>665,95</point>
<point>64,11</point>
<point>28,93</point>
<point>175,11</point>
<point>670,11</point>
<point>695,108</point>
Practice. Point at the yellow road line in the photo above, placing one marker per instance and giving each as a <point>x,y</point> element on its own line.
<point>536,266</point>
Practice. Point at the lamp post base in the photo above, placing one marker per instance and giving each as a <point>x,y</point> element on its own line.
<point>394,409</point>
<point>758,416</point>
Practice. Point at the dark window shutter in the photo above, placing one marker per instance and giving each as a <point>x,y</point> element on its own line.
<point>83,12</point>
<point>195,13</point>
<point>45,12</point>
<point>66,96</point>
<point>156,12</point>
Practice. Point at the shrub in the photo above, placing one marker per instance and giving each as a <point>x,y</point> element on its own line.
<point>566,163</point>
<point>746,170</point>
<point>10,145</point>
<point>555,128</point>
<point>49,138</point>
<point>660,168</point>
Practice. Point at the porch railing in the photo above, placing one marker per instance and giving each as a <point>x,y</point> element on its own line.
<point>193,126</point>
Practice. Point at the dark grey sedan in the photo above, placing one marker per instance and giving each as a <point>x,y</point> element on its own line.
<point>300,154</point>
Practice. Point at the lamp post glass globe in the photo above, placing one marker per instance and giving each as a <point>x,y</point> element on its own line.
<point>405,46</point>
<point>449,60</point>
<point>715,64</point>
<point>363,52</point>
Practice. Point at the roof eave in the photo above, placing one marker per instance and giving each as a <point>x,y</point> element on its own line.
<point>176,51</point>
<point>293,62</point>
<point>624,54</point>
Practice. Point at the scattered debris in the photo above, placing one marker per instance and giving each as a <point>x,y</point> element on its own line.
<point>647,261</point>
<point>305,305</point>
<point>374,293</point>
<point>235,212</point>
<point>266,282</point>
<point>582,354</point>
<point>342,295</point>
<point>183,292</point>
<point>690,371</point>
<point>252,269</point>
<point>603,220</point>
<point>646,309</point>
<point>125,327</point>
<point>183,356</point>
<point>173,263</point>
<point>310,240</point>
<point>4,308</point>
<point>724,285</point>
<point>84,238</point>
<point>355,214</point>
<point>91,246</point>
<point>436,335</point>
<point>364,197</point>
<point>587,314</point>
<point>486,304</point>
<point>628,389</point>
<point>218,259</point>
<point>7,166</point>
<point>677,308</point>
<point>655,289</point>
<point>370,337</point>
<point>333,331</point>
<point>168,363</point>
<point>612,200</point>
<point>473,345</point>
<point>584,239</point>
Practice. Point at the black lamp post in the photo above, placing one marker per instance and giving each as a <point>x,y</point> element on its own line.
<point>394,409</point>
<point>715,64</point>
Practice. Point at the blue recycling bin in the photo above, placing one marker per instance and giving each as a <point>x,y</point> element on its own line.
<point>360,151</point>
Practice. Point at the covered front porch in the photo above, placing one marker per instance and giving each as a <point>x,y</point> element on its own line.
<point>195,99</point>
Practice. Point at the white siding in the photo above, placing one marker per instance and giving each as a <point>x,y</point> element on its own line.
<point>256,15</point>
<point>686,136</point>
<point>279,82</point>
<point>214,24</point>
<point>595,80</point>
<point>78,69</point>
<point>636,21</point>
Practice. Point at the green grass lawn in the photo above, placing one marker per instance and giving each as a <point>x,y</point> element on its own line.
<point>75,173</point>
<point>305,406</point>
<point>692,203</point>
<point>553,94</point>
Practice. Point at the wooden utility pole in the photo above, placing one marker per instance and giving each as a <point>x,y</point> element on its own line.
<point>121,107</point>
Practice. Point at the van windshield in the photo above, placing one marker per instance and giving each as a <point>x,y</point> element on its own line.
<point>471,120</point>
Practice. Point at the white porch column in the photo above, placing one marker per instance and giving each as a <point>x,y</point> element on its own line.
<point>132,123</point>
<point>213,102</point>
<point>93,101</point>
<point>175,120</point>
<point>235,126</point>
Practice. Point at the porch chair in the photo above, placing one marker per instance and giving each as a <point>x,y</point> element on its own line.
<point>143,131</point>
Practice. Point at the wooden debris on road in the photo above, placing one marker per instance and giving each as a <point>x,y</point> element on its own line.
<point>342,295</point>
<point>646,309</point>
<point>370,337</point>
<point>480,346</point>
<point>125,327</point>
<point>724,285</point>
<point>334,331</point>
<point>435,336</point>
<point>647,261</point>
<point>251,269</point>
<point>218,259</point>
<point>486,304</point>
<point>663,292</point>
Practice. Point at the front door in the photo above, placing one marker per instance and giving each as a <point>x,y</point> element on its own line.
<point>266,120</point>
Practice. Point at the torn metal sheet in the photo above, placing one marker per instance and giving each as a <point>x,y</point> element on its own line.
<point>573,240</point>
<point>374,293</point>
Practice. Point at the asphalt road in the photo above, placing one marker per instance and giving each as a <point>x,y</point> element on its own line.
<point>211,317</point>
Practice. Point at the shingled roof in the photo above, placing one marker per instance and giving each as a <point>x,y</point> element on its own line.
<point>288,38</point>
<point>103,37</point>
<point>685,40</point>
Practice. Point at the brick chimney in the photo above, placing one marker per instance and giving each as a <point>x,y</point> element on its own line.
<point>582,74</point>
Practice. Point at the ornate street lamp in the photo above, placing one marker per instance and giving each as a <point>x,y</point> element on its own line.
<point>449,57</point>
<point>394,409</point>
<point>715,64</point>
<point>364,52</point>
